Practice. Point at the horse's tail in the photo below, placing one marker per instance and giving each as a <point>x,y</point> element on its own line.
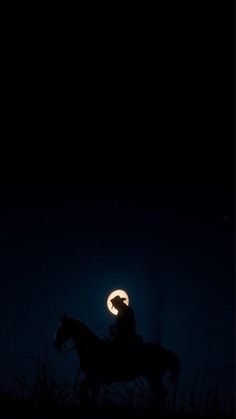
<point>175,367</point>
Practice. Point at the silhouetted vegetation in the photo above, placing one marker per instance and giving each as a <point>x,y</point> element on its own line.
<point>36,393</point>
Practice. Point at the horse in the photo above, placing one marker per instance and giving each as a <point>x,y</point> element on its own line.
<point>104,362</point>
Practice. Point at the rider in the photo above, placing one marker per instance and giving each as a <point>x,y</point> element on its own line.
<point>124,329</point>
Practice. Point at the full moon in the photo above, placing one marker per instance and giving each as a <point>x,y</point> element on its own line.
<point>113,294</point>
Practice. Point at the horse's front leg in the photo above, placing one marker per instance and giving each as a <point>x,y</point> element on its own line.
<point>89,391</point>
<point>95,387</point>
<point>85,388</point>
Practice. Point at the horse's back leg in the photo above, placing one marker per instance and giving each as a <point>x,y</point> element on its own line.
<point>159,392</point>
<point>95,391</point>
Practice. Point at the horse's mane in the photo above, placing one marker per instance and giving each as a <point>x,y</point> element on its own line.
<point>81,327</point>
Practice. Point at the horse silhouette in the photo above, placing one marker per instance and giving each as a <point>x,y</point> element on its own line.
<point>104,362</point>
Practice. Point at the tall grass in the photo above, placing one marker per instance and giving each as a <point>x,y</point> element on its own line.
<point>37,385</point>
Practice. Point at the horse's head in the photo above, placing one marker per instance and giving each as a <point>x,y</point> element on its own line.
<point>72,329</point>
<point>63,332</point>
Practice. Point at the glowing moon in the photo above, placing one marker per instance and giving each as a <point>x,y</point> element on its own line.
<point>122,294</point>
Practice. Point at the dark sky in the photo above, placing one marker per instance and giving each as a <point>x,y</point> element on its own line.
<point>65,246</point>
<point>166,232</point>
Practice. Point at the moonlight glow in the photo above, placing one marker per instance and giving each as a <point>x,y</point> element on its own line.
<point>122,294</point>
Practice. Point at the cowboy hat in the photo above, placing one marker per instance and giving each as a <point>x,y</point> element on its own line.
<point>117,298</point>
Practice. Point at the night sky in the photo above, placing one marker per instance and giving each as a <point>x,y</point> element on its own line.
<point>119,174</point>
<point>65,246</point>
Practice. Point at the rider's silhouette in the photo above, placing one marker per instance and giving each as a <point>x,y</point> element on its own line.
<point>124,329</point>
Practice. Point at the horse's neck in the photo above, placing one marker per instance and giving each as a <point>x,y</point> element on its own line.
<point>83,337</point>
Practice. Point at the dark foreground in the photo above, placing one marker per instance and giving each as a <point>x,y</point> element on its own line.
<point>29,409</point>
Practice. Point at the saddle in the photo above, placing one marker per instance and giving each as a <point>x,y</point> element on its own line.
<point>127,346</point>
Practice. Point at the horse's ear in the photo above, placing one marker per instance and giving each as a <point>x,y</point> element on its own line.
<point>62,316</point>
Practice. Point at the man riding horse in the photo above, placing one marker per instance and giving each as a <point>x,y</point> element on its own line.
<point>106,363</point>
<point>123,332</point>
